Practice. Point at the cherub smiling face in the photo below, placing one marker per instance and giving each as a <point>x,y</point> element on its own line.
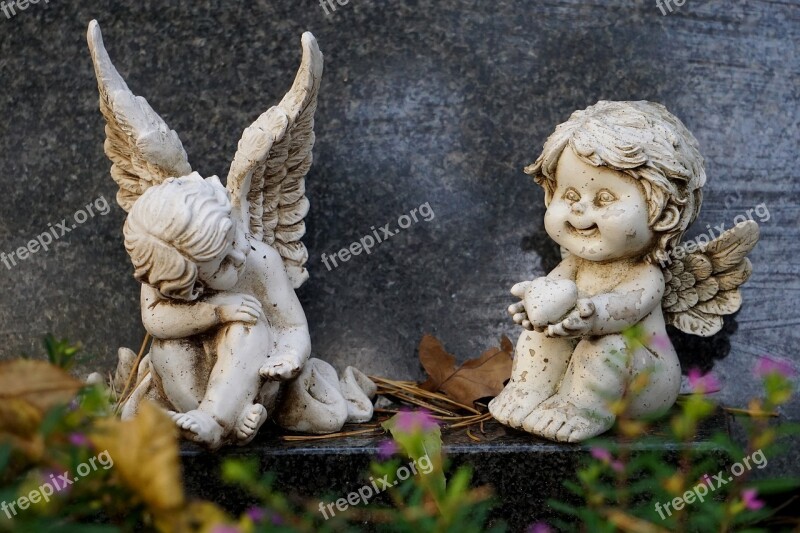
<point>597,213</point>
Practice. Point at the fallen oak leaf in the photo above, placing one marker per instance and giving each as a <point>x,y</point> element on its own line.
<point>478,378</point>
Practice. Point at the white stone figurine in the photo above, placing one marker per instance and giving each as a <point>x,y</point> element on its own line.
<point>623,181</point>
<point>219,266</point>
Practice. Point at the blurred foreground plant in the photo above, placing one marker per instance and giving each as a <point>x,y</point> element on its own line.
<point>53,426</point>
<point>641,482</point>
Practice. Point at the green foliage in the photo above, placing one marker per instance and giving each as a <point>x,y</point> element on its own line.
<point>60,352</point>
<point>632,484</point>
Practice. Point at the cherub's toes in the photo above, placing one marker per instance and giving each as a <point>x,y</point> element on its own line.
<point>565,433</point>
<point>533,420</point>
<point>558,420</point>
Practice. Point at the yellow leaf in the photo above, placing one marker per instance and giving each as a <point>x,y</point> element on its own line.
<point>145,454</point>
<point>632,524</point>
<point>37,382</point>
<point>198,516</point>
<point>19,422</point>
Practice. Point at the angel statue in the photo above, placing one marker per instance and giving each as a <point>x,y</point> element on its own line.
<point>622,181</point>
<point>219,268</point>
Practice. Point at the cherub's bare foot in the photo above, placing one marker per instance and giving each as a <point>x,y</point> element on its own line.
<point>282,366</point>
<point>559,419</point>
<point>199,426</point>
<point>249,422</point>
<point>515,403</point>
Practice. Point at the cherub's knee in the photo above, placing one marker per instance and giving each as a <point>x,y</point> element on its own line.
<point>237,334</point>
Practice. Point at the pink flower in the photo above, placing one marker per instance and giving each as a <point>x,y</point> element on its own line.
<point>767,365</point>
<point>750,501</point>
<point>387,448</point>
<point>256,514</point>
<point>601,454</point>
<point>78,439</point>
<point>56,479</point>
<point>539,527</point>
<point>661,342</point>
<point>411,421</point>
<point>703,383</point>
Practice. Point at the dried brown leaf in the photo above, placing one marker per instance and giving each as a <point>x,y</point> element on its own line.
<point>37,382</point>
<point>477,378</point>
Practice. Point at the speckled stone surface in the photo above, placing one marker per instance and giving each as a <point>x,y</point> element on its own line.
<point>429,101</point>
<point>524,471</point>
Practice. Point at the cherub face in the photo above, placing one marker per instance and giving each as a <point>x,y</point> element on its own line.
<point>222,273</point>
<point>597,213</point>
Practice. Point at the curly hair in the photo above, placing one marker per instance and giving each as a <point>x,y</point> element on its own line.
<point>172,227</point>
<point>643,140</point>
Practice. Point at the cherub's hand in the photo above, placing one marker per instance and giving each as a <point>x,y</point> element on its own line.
<point>245,309</point>
<point>517,310</point>
<point>543,302</point>
<point>577,323</point>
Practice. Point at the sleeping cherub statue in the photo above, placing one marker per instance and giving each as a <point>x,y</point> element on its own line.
<point>622,181</point>
<point>219,267</point>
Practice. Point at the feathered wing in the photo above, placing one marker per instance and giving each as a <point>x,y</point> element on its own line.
<point>704,286</point>
<point>143,149</point>
<point>267,176</point>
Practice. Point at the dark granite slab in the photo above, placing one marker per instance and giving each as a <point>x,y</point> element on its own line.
<point>525,471</point>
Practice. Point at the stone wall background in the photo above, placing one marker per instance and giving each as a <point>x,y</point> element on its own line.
<point>434,101</point>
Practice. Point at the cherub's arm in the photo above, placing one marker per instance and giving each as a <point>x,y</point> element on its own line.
<point>617,310</point>
<point>171,319</point>
<point>566,269</point>
<point>283,309</point>
<point>629,302</point>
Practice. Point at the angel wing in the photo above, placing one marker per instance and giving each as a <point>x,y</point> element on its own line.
<point>704,286</point>
<point>143,149</point>
<point>267,176</point>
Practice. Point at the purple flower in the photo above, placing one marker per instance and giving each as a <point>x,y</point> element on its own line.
<point>387,448</point>
<point>750,501</point>
<point>256,514</point>
<point>539,527</point>
<point>276,519</point>
<point>601,454</point>
<point>767,365</point>
<point>78,439</point>
<point>703,383</point>
<point>411,421</point>
<point>661,342</point>
<point>54,478</point>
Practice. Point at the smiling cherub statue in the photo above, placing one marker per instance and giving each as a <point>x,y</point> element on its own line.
<point>219,266</point>
<point>623,182</point>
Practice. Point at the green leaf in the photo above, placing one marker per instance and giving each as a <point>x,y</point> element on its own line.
<point>777,485</point>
